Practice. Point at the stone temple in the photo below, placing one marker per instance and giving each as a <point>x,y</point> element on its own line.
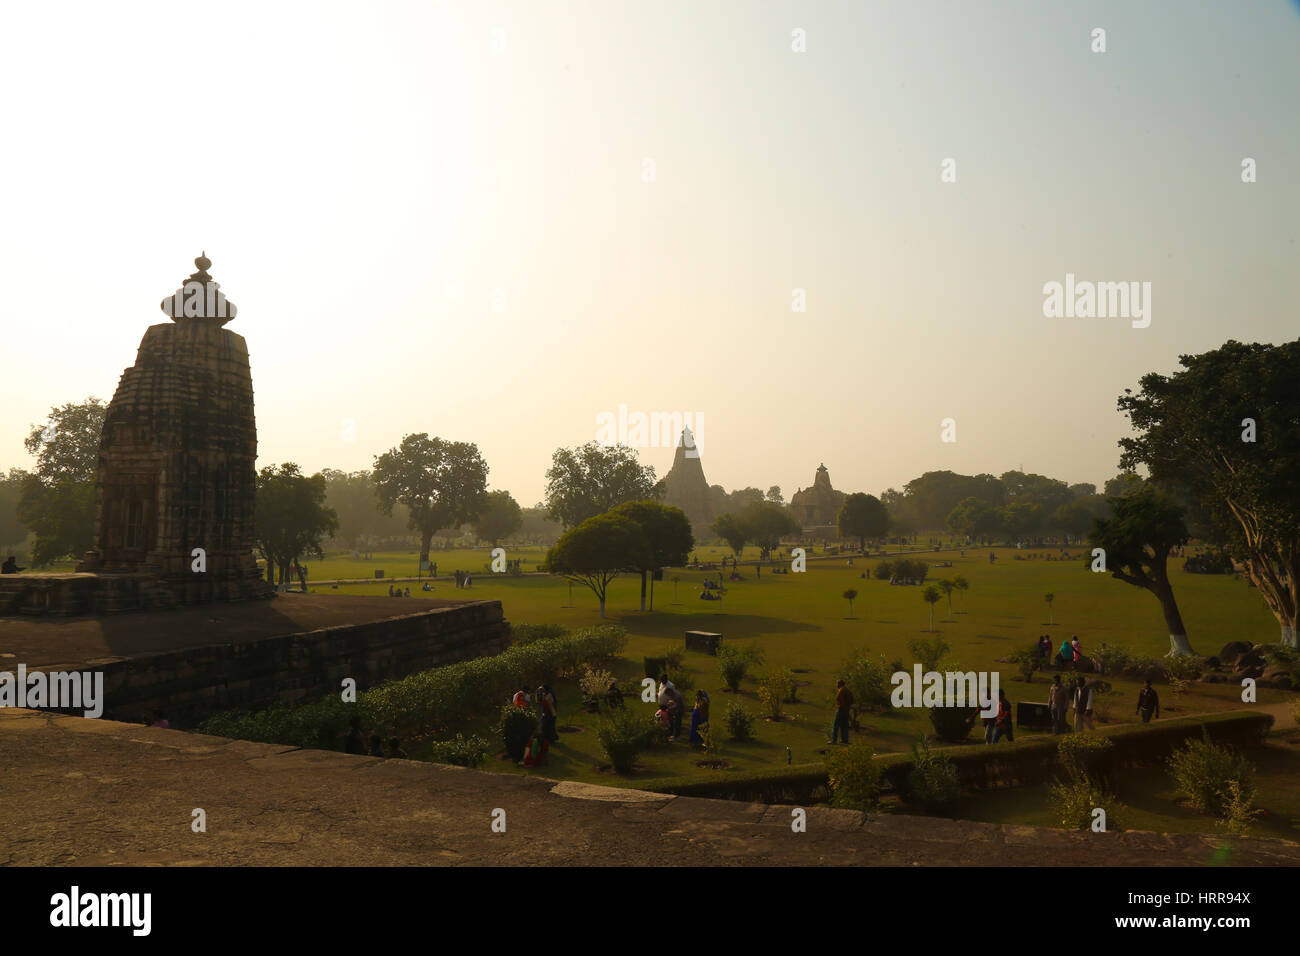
<point>176,469</point>
<point>685,486</point>
<point>819,505</point>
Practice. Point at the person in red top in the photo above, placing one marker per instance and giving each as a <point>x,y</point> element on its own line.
<point>843,706</point>
<point>520,698</point>
<point>1002,723</point>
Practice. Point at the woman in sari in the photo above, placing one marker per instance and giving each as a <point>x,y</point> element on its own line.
<point>699,717</point>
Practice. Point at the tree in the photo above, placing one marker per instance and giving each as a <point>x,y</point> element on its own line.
<point>500,518</point>
<point>441,483</point>
<point>598,550</point>
<point>1073,519</point>
<point>668,534</point>
<point>732,530</point>
<point>11,489</point>
<point>931,597</point>
<point>947,586</point>
<point>862,516</point>
<point>57,500</point>
<point>291,518</point>
<point>1049,598</point>
<point>1123,484</point>
<point>774,494</point>
<point>1019,518</point>
<point>974,518</point>
<point>849,595</point>
<point>1136,539</point>
<point>1226,430</point>
<point>766,524</point>
<point>353,497</point>
<point>587,481</point>
<point>961,584</point>
<point>931,497</point>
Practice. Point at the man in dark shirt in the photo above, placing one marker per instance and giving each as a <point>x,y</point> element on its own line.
<point>1148,703</point>
<point>843,708</point>
<point>10,566</point>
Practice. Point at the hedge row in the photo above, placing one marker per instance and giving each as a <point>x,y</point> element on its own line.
<point>980,766</point>
<point>429,702</point>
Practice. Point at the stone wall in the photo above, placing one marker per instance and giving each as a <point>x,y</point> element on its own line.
<point>192,684</point>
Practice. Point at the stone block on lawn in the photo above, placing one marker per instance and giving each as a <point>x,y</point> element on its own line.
<point>706,641</point>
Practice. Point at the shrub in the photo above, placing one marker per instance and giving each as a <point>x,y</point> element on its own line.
<point>1184,668</point>
<point>1026,662</point>
<point>674,657</point>
<point>868,680</point>
<point>1075,801</point>
<point>952,724</point>
<point>733,665</point>
<point>1085,756</point>
<point>682,680</point>
<point>883,571</point>
<point>463,751</point>
<point>740,722</point>
<point>928,652</point>
<point>516,727</point>
<point>932,781</point>
<point>772,688</point>
<point>854,777</point>
<point>623,734</point>
<point>1113,660</point>
<point>656,666</point>
<point>1204,770</point>
<point>1238,809</point>
<point>521,634</point>
<point>594,684</point>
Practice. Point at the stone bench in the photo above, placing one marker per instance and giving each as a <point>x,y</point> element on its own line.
<point>706,641</point>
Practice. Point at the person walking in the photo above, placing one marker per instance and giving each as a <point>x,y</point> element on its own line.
<point>546,701</point>
<point>843,706</point>
<point>1002,723</point>
<point>1082,706</point>
<point>1148,702</point>
<point>699,718</point>
<point>1058,699</point>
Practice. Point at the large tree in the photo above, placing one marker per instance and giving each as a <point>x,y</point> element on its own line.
<point>1226,430</point>
<point>598,550</point>
<point>667,531</point>
<point>862,516</point>
<point>501,517</point>
<point>732,530</point>
<point>57,501</point>
<point>352,495</point>
<point>975,518</point>
<point>292,519</point>
<point>766,523</point>
<point>442,483</point>
<point>1137,538</point>
<point>587,481</point>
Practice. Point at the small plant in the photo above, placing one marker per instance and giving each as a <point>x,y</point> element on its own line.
<point>1185,668</point>
<point>1113,660</point>
<point>1204,771</point>
<point>1239,811</point>
<point>931,596</point>
<point>1049,598</point>
<point>623,734</point>
<point>932,781</point>
<point>1026,662</point>
<point>772,689</point>
<point>952,724</point>
<point>1085,756</point>
<point>674,657</point>
<point>928,652</point>
<point>849,596</point>
<point>594,684</point>
<point>740,722</point>
<point>734,665</point>
<point>461,752</point>
<point>1076,802</point>
<point>1178,685</point>
<point>854,777</point>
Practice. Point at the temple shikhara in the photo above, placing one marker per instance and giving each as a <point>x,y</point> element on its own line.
<point>819,505</point>
<point>176,469</point>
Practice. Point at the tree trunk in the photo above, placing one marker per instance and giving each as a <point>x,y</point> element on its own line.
<point>652,592</point>
<point>602,605</point>
<point>1179,645</point>
<point>643,574</point>
<point>1289,635</point>
<point>426,538</point>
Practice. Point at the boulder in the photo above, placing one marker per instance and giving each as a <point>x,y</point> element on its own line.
<point>1252,671</point>
<point>1233,650</point>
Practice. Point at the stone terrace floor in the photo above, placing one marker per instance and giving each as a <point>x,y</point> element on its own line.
<point>50,641</point>
<point>96,792</point>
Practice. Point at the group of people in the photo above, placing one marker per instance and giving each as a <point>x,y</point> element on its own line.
<point>463,579</point>
<point>672,708</point>
<point>398,592</point>
<point>355,743</point>
<point>540,742</point>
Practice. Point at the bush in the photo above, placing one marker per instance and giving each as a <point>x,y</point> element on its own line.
<point>674,657</point>
<point>1238,810</point>
<point>463,751</point>
<point>1075,801</point>
<point>594,684</point>
<point>772,690</point>
<point>516,727</point>
<point>854,777</point>
<point>1113,660</point>
<point>656,666</point>
<point>952,724</point>
<point>1026,662</point>
<point>928,652</point>
<point>1184,668</point>
<point>733,665</point>
<point>868,680</point>
<point>740,722</point>
<point>932,781</point>
<point>1085,756</point>
<point>1204,771</point>
<point>883,571</point>
<point>624,734</point>
<point>319,725</point>
<point>522,634</point>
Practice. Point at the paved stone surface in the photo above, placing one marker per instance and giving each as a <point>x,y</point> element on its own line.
<point>53,641</point>
<point>94,792</point>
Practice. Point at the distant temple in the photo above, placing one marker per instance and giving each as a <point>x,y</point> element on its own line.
<point>176,469</point>
<point>818,505</point>
<point>685,486</point>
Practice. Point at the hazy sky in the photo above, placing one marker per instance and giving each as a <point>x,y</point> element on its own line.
<point>367,176</point>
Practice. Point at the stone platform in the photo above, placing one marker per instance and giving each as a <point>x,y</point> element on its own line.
<point>71,593</point>
<point>81,792</point>
<point>193,661</point>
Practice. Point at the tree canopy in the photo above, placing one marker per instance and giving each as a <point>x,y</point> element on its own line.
<point>598,550</point>
<point>441,483</point>
<point>292,519</point>
<point>590,480</point>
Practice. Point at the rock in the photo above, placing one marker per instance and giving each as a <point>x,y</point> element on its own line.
<point>1212,663</point>
<point>1254,672</point>
<point>1251,659</point>
<point>1233,650</point>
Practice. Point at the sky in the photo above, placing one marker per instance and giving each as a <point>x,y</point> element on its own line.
<point>494,222</point>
